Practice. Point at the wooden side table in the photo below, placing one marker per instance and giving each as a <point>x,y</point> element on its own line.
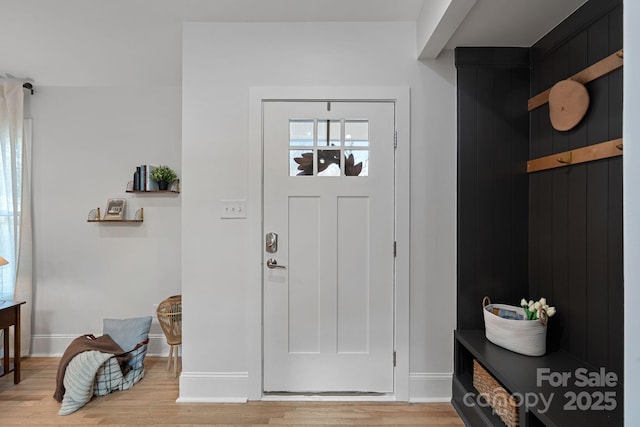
<point>10,316</point>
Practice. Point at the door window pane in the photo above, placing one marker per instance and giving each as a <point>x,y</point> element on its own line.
<point>300,162</point>
<point>329,133</point>
<point>329,163</point>
<point>356,163</point>
<point>301,133</point>
<point>356,133</point>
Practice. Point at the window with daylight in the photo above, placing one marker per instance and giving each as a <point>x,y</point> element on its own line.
<point>16,244</point>
<point>320,147</point>
<point>10,215</point>
<point>12,150</point>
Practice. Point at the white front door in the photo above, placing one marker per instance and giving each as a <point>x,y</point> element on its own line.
<point>329,284</point>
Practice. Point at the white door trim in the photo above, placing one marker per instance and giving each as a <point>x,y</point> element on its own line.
<point>401,97</point>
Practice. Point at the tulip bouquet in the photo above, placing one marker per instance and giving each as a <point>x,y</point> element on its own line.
<point>533,310</point>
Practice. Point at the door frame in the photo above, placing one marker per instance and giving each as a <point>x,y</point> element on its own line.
<point>257,96</point>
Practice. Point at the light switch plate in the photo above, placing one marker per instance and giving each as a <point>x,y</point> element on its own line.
<point>231,209</point>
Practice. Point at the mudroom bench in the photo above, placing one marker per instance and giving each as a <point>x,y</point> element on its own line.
<point>556,389</point>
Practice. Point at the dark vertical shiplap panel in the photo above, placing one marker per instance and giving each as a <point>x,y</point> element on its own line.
<point>615,330</point>
<point>597,276</point>
<point>575,318</point>
<point>467,313</point>
<point>559,202</point>
<point>534,235</point>
<point>544,192</point>
<point>559,294</point>
<point>597,117</point>
<point>561,70</point>
<point>597,201</point>
<point>544,144</point>
<point>510,185</point>
<point>545,235</point>
<point>615,29</point>
<point>501,198</point>
<point>519,204</point>
<point>536,118</point>
<point>615,103</point>
<point>615,226</point>
<point>579,60</point>
<point>615,78</point>
<point>486,179</point>
<point>537,115</point>
<point>492,133</point>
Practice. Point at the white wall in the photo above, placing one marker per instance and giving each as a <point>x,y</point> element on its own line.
<point>87,142</point>
<point>631,213</point>
<point>221,62</point>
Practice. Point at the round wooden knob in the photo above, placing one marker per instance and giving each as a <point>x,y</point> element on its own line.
<point>568,103</point>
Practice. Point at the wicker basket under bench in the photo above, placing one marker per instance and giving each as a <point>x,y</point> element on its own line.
<point>503,404</point>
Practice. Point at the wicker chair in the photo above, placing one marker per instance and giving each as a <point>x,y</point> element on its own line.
<point>170,317</point>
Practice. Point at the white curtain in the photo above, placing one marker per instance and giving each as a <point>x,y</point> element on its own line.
<point>15,203</point>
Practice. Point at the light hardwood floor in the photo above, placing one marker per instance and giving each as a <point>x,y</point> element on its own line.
<point>152,402</point>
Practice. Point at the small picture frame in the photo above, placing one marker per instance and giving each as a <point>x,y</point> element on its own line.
<point>115,209</point>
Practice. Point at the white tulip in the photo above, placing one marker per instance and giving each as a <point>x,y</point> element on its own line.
<point>523,303</point>
<point>543,301</point>
<point>536,306</point>
<point>551,311</point>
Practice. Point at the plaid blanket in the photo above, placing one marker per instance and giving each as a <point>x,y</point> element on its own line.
<point>110,377</point>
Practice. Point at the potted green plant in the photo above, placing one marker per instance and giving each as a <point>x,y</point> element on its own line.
<point>164,176</point>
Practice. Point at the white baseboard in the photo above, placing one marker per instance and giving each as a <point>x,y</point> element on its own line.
<point>326,398</point>
<point>54,345</point>
<point>426,387</point>
<point>225,387</point>
<point>214,387</point>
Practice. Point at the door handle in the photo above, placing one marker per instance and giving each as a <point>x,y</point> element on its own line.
<point>272,263</point>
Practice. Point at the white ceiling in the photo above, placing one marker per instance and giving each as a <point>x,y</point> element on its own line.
<point>295,10</point>
<point>518,23</point>
<point>87,41</point>
<point>489,23</point>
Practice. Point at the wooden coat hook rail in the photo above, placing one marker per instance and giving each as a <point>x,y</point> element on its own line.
<point>579,155</point>
<point>599,69</point>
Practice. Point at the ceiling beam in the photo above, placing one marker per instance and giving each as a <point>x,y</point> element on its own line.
<point>437,22</point>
